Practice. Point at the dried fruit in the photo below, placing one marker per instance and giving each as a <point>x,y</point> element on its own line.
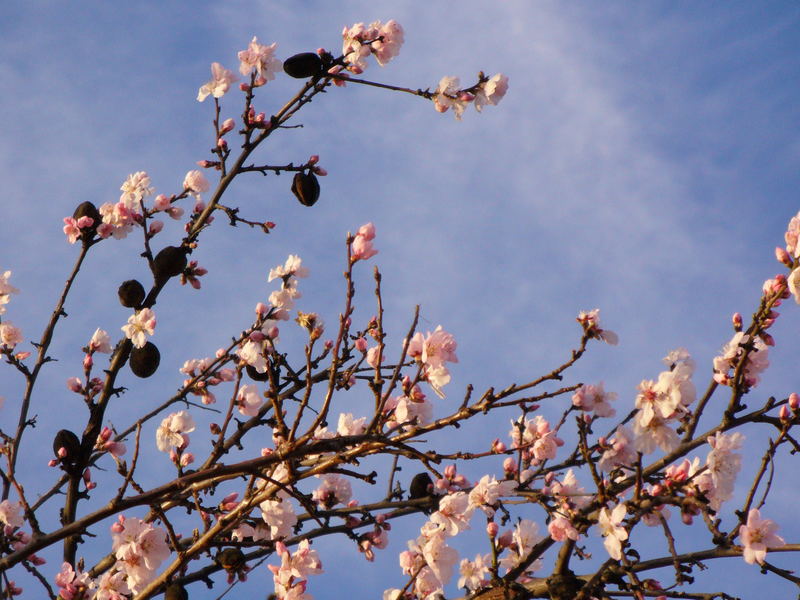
<point>255,375</point>
<point>131,293</point>
<point>144,361</point>
<point>170,262</point>
<point>87,209</point>
<point>306,187</point>
<point>300,66</point>
<point>71,447</point>
<point>175,591</point>
<point>421,486</point>
<point>231,559</point>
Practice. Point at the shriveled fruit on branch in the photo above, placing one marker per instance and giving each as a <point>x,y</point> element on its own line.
<point>255,375</point>
<point>300,66</point>
<point>87,209</point>
<point>175,591</point>
<point>170,262</point>
<point>67,447</point>
<point>131,293</point>
<point>421,486</point>
<point>306,187</point>
<point>144,361</point>
<point>231,559</point>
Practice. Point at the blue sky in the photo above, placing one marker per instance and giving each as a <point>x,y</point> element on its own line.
<point>645,161</point>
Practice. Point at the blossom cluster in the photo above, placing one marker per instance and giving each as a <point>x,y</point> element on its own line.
<point>488,91</point>
<point>383,40</point>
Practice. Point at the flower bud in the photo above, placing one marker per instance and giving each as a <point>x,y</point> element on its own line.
<point>67,446</point>
<point>144,361</point>
<point>783,256</point>
<point>492,529</point>
<point>794,401</point>
<point>305,187</point>
<point>131,293</point>
<point>737,321</point>
<point>301,66</point>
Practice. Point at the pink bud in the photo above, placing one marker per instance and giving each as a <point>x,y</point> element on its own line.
<point>785,414</point>
<point>379,519</point>
<point>794,401</point>
<point>361,344</point>
<point>187,459</point>
<point>328,344</point>
<point>313,159</point>
<point>74,385</point>
<point>320,171</point>
<point>227,125</point>
<point>267,451</point>
<point>510,466</point>
<point>221,143</point>
<point>450,471</point>
<point>156,226</point>
<point>737,320</point>
<point>257,336</point>
<point>105,435</point>
<point>62,452</point>
<point>259,81</point>
<point>492,529</point>
<point>548,479</point>
<point>52,462</point>
<point>273,332</point>
<point>768,339</point>
<point>244,86</point>
<point>22,355</point>
<point>87,362</point>
<point>783,256</point>
<point>498,446</point>
<point>117,528</point>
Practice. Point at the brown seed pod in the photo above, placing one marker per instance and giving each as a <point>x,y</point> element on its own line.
<point>71,444</point>
<point>421,486</point>
<point>131,293</point>
<point>300,66</point>
<point>255,375</point>
<point>231,559</point>
<point>87,209</point>
<point>175,591</point>
<point>306,187</point>
<point>144,361</point>
<point>170,262</point>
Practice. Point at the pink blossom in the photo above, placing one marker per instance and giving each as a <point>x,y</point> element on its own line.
<point>487,492</point>
<point>594,397</point>
<point>590,320</point>
<point>293,267</point>
<point>112,586</point>
<point>333,490</point>
<point>135,189</point>
<point>140,549</point>
<point>252,353</point>
<point>10,514</point>
<point>611,528</point>
<point>440,557</point>
<point>562,529</point>
<point>248,400</point>
<point>73,586</point>
<point>173,429</point>
<point>447,96</point>
<point>10,335</point>
<point>473,572</point>
<point>259,57</point>
<point>361,248</point>
<point>280,517</point>
<point>758,535</point>
<point>221,80</point>
<point>6,289</point>
<point>118,220</point>
<point>524,537</point>
<point>388,46</point>
<point>621,451</point>
<point>196,183</point>
<point>793,281</point>
<point>491,91</point>
<point>140,325</point>
<point>348,425</point>
<point>100,342</point>
<point>454,513</point>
